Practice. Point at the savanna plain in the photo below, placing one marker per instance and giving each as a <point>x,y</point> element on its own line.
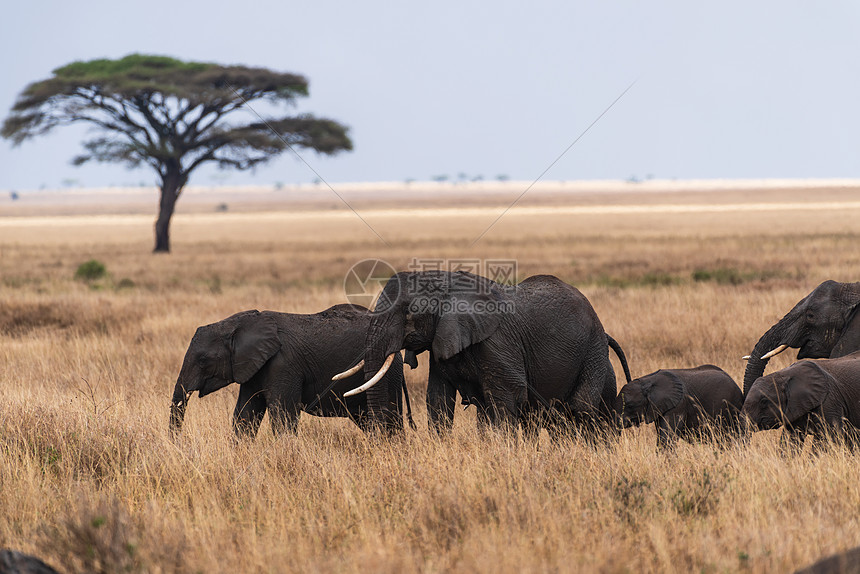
<point>91,482</point>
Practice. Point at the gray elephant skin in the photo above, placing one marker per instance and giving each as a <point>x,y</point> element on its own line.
<point>684,403</point>
<point>847,562</point>
<point>284,363</point>
<point>534,353</point>
<point>12,562</point>
<point>809,396</point>
<point>824,324</point>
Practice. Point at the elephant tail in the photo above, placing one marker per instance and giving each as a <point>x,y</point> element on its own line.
<point>408,406</point>
<point>620,353</point>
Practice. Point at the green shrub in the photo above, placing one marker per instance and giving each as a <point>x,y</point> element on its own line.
<point>732,276</point>
<point>90,270</point>
<point>650,279</point>
<point>125,283</point>
<point>722,276</point>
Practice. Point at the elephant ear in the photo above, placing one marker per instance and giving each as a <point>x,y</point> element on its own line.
<point>849,339</point>
<point>254,341</point>
<point>664,392</point>
<point>806,389</point>
<point>849,295</point>
<point>474,312</point>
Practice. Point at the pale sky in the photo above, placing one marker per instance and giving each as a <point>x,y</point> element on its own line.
<point>732,90</point>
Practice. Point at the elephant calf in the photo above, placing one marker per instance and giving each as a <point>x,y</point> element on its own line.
<point>810,395</point>
<point>284,364</point>
<point>681,402</point>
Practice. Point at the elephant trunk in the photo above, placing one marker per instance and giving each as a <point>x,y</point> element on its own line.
<point>177,408</point>
<point>384,337</point>
<point>618,418</point>
<point>773,338</point>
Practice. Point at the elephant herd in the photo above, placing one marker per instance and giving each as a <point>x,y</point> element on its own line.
<point>527,356</point>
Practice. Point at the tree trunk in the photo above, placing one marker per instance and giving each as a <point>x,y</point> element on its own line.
<point>170,188</point>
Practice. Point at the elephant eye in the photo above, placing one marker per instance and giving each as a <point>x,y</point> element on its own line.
<point>810,316</point>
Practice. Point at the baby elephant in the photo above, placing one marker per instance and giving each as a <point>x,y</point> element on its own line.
<point>284,363</point>
<point>809,396</point>
<point>681,402</point>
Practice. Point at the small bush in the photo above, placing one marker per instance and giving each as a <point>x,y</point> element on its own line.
<point>91,270</point>
<point>78,317</point>
<point>721,276</point>
<point>732,276</point>
<point>700,496</point>
<point>125,283</point>
<point>631,498</point>
<point>650,279</point>
<point>101,537</point>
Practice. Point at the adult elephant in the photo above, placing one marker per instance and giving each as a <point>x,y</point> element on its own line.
<point>824,324</point>
<point>284,363</point>
<point>527,353</point>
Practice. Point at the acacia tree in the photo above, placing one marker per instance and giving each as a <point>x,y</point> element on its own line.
<point>172,116</point>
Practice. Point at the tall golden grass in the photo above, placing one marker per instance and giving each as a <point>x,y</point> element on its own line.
<point>90,481</point>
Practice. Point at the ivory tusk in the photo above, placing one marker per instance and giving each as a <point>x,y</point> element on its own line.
<point>775,352</point>
<point>349,372</point>
<point>376,378</point>
<point>746,358</point>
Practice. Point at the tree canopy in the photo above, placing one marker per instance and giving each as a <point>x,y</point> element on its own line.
<point>172,116</point>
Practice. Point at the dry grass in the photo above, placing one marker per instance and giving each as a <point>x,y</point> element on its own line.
<point>90,481</point>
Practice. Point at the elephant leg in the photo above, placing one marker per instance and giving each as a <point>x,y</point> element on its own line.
<point>830,433</point>
<point>824,435</point>
<point>839,432</point>
<point>736,427</point>
<point>505,391</point>
<point>791,441</point>
<point>847,434</point>
<point>503,410</point>
<point>482,422</point>
<point>562,423</point>
<point>587,396</point>
<point>249,411</point>
<point>793,436</point>
<point>441,401</point>
<point>284,416</point>
<point>361,421</point>
<point>607,401</point>
<point>532,420</point>
<point>394,412</point>
<point>285,403</point>
<point>385,402</point>
<point>731,431</point>
<point>851,436</point>
<point>666,435</point>
<point>744,430</point>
